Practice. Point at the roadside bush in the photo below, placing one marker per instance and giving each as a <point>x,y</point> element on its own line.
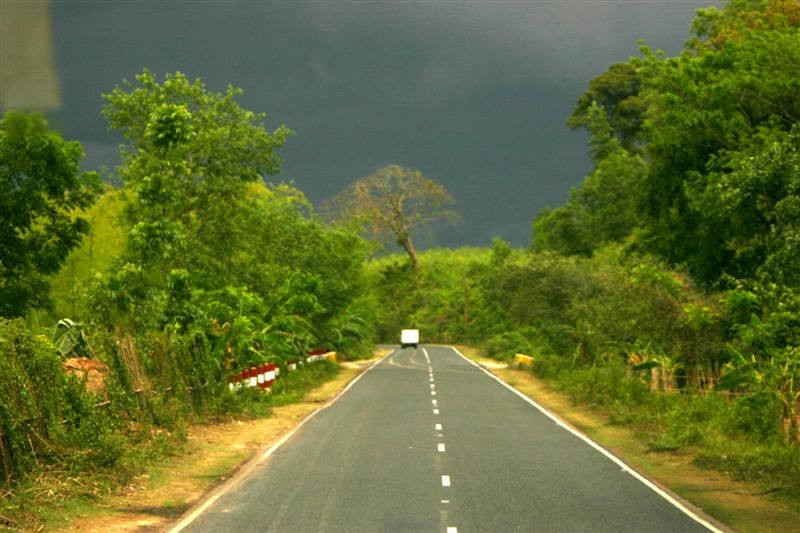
<point>603,386</point>
<point>549,366</point>
<point>45,414</point>
<point>506,344</point>
<point>758,417</point>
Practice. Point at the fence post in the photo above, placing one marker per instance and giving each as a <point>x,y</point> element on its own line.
<point>8,466</point>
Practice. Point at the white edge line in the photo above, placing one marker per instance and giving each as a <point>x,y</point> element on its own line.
<point>254,462</point>
<point>658,490</point>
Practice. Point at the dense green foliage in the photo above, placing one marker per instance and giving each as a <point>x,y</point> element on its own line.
<point>707,146</point>
<point>40,186</point>
<point>666,291</point>
<point>45,415</point>
<point>192,272</point>
<point>222,269</point>
<point>696,155</point>
<point>98,251</point>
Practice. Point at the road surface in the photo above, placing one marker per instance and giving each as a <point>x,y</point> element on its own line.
<point>427,441</point>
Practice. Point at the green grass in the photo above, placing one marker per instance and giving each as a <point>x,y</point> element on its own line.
<point>708,426</point>
<point>50,495</point>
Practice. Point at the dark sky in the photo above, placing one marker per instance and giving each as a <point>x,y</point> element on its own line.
<point>474,94</point>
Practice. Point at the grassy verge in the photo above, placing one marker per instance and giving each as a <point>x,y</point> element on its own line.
<point>743,506</point>
<point>179,472</point>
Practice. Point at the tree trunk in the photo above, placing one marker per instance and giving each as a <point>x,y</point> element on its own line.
<point>466,301</point>
<point>411,251</point>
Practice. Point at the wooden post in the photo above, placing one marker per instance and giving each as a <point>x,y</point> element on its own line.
<point>466,302</point>
<point>8,466</point>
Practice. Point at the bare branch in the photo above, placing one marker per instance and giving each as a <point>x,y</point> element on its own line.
<point>393,200</point>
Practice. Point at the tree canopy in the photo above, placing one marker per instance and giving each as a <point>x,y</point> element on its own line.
<point>394,201</point>
<point>41,190</point>
<point>209,244</point>
<point>704,171</point>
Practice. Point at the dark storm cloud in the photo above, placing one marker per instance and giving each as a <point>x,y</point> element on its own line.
<point>473,94</point>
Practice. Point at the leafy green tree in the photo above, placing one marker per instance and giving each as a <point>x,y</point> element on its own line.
<point>41,189</point>
<point>214,254</point>
<point>563,229</point>
<point>298,266</point>
<point>616,92</point>
<point>605,208</point>
<point>757,198</point>
<point>98,251</point>
<point>394,201</point>
<point>189,159</point>
<point>189,151</point>
<point>713,28</point>
<point>706,109</point>
<point>694,154</point>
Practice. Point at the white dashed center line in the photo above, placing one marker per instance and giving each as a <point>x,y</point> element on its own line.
<point>440,446</point>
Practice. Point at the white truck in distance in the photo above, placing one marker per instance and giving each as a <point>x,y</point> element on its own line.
<point>409,337</point>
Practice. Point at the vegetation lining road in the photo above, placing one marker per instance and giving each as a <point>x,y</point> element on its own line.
<point>666,291</point>
<point>213,453</point>
<point>742,506</point>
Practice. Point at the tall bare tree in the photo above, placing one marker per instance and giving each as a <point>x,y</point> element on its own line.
<point>393,201</point>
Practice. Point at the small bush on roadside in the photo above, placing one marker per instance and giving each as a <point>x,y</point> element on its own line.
<point>505,345</point>
<point>45,414</point>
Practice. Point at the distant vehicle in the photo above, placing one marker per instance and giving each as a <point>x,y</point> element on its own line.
<point>409,338</point>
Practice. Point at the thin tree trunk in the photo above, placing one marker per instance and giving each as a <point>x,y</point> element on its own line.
<point>411,251</point>
<point>466,301</point>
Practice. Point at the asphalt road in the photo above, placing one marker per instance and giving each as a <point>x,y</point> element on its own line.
<point>427,441</point>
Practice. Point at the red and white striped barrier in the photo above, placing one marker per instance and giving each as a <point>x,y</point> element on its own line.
<point>264,375</point>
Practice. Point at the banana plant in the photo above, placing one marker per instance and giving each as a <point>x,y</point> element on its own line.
<point>778,376</point>
<point>662,367</point>
<point>69,339</point>
<point>666,366</point>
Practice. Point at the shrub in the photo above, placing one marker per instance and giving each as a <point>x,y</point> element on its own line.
<point>506,344</point>
<point>45,414</point>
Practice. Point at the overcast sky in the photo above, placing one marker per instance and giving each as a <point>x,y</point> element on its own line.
<point>474,94</point>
